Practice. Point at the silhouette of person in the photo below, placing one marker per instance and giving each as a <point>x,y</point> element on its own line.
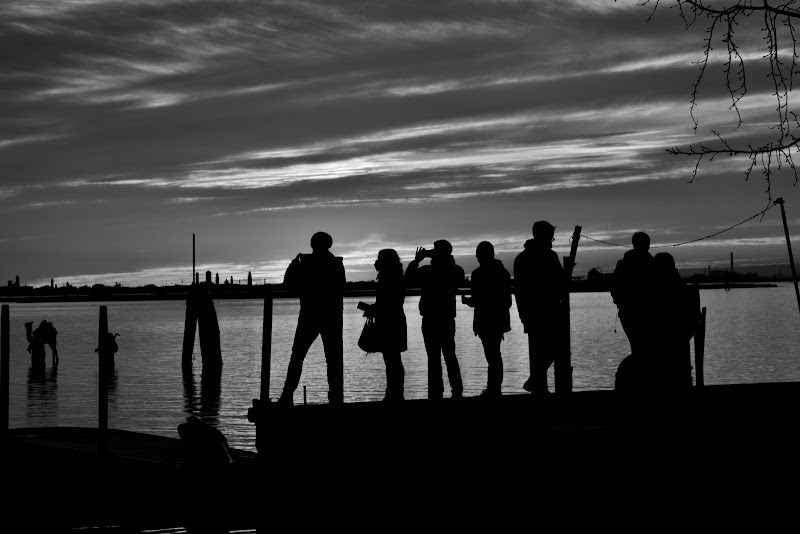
<point>491,298</point>
<point>390,320</point>
<point>674,323</point>
<point>538,288</point>
<point>631,289</point>
<point>439,282</point>
<point>36,341</point>
<point>319,280</point>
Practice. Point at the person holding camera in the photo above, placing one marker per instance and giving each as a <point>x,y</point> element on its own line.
<point>390,320</point>
<point>319,280</point>
<point>439,283</point>
<point>491,298</point>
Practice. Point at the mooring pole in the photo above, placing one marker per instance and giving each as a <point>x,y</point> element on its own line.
<point>563,363</point>
<point>193,267</point>
<point>102,444</point>
<point>5,356</point>
<point>789,245</point>
<point>266,345</point>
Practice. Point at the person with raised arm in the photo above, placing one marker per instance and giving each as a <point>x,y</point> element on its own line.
<point>439,281</point>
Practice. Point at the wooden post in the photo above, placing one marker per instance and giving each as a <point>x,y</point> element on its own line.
<point>102,444</point>
<point>789,245</point>
<point>563,363</point>
<point>5,356</point>
<point>266,345</point>
<point>700,348</point>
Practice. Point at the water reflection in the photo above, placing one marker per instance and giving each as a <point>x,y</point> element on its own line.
<point>206,403</point>
<point>42,393</point>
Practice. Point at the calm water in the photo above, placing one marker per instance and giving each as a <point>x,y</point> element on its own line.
<point>753,335</point>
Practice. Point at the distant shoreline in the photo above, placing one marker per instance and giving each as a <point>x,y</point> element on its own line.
<point>258,292</point>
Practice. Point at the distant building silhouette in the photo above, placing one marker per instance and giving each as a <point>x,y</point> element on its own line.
<point>208,277</point>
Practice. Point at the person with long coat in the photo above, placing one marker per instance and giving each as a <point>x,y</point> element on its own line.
<point>390,320</point>
<point>538,287</point>
<point>491,298</point>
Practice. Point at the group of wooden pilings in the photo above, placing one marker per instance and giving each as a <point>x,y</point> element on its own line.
<point>201,315</point>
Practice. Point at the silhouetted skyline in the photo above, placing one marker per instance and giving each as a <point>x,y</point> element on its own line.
<point>130,126</point>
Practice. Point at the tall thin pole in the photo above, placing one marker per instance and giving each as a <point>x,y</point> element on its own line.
<point>266,345</point>
<point>563,363</point>
<point>193,268</point>
<point>5,356</point>
<point>791,256</point>
<point>103,386</point>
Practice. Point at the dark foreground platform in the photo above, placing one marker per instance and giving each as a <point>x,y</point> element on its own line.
<point>519,462</point>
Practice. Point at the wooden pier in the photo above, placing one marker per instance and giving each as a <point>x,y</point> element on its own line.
<point>454,464</point>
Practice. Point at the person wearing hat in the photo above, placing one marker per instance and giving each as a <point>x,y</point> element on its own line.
<point>439,283</point>
<point>319,280</point>
<point>538,288</point>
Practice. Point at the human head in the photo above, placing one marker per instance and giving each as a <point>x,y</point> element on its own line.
<point>321,242</point>
<point>387,258</point>
<point>640,241</point>
<point>484,251</point>
<point>664,261</point>
<point>543,231</point>
<point>442,248</point>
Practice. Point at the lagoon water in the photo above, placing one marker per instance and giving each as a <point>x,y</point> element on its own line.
<point>752,335</point>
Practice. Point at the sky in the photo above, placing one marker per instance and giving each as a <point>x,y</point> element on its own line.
<point>127,126</point>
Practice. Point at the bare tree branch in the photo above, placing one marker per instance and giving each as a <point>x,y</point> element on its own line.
<point>780,41</point>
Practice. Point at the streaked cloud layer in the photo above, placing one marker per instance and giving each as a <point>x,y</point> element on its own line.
<point>129,125</point>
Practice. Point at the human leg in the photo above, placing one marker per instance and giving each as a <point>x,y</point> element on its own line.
<point>395,375</point>
<point>448,343</point>
<point>541,357</point>
<point>334,359</point>
<point>434,350</point>
<point>304,336</point>
<point>491,349</point>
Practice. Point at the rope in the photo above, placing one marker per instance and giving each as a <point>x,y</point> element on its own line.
<point>760,213</point>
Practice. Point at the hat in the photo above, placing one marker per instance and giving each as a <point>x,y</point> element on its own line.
<point>442,247</point>
<point>543,229</point>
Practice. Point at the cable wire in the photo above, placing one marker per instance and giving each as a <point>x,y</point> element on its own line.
<point>760,213</point>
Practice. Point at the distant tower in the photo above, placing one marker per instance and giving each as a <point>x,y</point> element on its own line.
<point>16,281</point>
<point>231,280</point>
<point>208,277</point>
<point>51,284</point>
<point>249,279</point>
<point>197,278</point>
<point>217,278</point>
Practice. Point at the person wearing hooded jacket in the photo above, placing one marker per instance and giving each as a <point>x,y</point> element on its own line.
<point>438,282</point>
<point>491,298</point>
<point>319,280</point>
<point>538,288</point>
